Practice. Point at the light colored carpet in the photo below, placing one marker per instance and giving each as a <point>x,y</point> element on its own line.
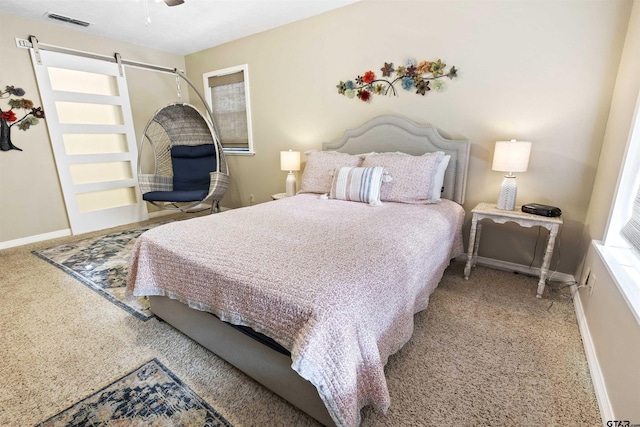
<point>485,352</point>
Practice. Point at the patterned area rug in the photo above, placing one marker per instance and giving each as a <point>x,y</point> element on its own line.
<point>101,263</point>
<point>149,396</point>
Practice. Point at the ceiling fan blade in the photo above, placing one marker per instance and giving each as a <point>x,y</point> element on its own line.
<point>173,2</point>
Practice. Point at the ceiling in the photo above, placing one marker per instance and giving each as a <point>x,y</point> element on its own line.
<point>183,29</point>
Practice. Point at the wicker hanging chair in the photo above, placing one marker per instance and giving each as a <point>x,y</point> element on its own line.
<point>190,167</point>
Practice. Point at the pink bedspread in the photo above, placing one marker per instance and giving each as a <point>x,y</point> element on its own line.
<point>335,282</point>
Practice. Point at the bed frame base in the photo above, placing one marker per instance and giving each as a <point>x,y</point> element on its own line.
<point>265,365</point>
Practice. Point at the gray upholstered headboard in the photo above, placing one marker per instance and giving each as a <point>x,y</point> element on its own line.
<point>393,133</point>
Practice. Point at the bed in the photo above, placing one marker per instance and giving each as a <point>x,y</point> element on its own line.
<point>311,294</point>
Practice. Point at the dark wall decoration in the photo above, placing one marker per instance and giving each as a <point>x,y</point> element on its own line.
<point>8,118</point>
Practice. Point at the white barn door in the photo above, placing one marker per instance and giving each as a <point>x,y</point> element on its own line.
<point>86,102</point>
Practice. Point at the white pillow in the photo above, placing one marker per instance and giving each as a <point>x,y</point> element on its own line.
<point>438,178</point>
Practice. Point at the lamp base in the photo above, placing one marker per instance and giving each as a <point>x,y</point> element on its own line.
<point>290,184</point>
<point>508,193</point>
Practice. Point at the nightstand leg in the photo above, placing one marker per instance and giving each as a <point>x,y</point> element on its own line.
<point>477,244</point>
<point>471,250</point>
<point>544,270</point>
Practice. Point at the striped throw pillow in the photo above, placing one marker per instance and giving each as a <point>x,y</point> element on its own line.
<point>357,184</point>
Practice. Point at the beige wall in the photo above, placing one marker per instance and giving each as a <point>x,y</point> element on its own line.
<point>614,330</point>
<point>31,201</point>
<point>538,71</point>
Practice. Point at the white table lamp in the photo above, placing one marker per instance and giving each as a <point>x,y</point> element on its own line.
<point>290,161</point>
<point>510,156</point>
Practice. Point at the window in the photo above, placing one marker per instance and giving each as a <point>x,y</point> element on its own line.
<point>618,248</point>
<point>623,211</point>
<point>227,93</point>
<point>631,230</point>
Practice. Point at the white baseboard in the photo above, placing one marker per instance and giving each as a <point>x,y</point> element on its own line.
<point>33,239</point>
<point>606,411</point>
<point>554,276</point>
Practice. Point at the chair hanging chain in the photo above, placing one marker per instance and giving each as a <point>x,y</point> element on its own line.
<point>178,88</point>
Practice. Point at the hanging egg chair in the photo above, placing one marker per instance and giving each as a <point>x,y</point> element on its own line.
<point>189,164</point>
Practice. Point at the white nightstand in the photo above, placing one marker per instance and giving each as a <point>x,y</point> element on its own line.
<point>278,196</point>
<point>489,211</point>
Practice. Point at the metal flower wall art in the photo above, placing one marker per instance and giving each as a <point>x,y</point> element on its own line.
<point>8,118</point>
<point>420,77</point>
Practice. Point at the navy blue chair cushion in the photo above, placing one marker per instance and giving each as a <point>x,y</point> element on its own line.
<point>191,166</point>
<point>175,196</point>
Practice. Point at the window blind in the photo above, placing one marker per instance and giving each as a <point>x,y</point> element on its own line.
<point>631,230</point>
<point>227,79</point>
<point>229,109</point>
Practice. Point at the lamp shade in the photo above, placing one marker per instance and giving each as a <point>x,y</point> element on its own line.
<point>290,160</point>
<point>511,156</point>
